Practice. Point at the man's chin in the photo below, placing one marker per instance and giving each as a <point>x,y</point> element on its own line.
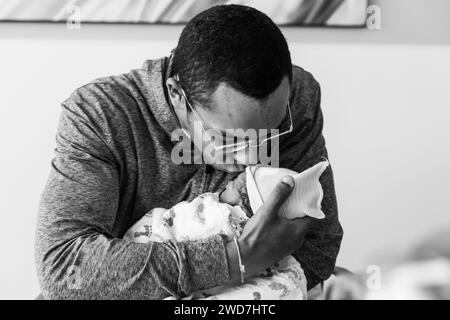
<point>229,167</point>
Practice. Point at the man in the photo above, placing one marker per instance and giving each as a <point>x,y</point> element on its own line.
<point>230,69</point>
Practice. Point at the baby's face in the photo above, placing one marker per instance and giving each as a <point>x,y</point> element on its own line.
<point>233,190</point>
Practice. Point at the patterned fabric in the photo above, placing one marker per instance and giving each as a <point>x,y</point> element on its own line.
<point>206,216</point>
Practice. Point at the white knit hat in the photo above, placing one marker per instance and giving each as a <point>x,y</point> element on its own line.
<point>304,200</point>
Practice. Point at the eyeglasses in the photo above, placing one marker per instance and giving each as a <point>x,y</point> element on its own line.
<point>234,147</point>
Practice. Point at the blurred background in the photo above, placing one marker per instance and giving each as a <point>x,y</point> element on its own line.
<point>385,99</point>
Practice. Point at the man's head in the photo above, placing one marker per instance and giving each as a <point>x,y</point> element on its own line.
<point>234,66</point>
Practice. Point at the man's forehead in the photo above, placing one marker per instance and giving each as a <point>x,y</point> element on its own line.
<point>234,110</point>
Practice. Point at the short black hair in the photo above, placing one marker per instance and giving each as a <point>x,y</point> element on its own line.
<point>235,44</point>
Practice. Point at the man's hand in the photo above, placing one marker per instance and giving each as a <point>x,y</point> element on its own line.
<point>266,238</point>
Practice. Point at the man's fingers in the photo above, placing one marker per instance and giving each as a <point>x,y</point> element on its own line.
<point>279,195</point>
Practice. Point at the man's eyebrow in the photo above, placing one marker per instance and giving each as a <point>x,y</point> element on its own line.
<point>224,133</point>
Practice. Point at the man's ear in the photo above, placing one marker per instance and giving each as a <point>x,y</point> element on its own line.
<point>173,88</point>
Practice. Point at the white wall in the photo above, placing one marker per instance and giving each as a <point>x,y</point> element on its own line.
<point>386,99</point>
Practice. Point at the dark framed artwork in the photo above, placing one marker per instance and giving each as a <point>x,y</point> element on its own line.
<point>327,13</point>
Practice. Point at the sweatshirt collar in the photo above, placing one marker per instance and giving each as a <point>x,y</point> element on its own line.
<point>158,71</point>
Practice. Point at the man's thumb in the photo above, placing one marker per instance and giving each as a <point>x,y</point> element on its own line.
<point>279,194</point>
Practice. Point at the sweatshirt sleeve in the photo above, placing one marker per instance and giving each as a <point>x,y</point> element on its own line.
<point>77,256</point>
<point>322,242</point>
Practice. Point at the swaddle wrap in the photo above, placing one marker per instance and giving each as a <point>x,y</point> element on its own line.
<point>304,200</point>
<point>203,217</point>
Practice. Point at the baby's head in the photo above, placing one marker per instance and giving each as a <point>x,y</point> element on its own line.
<point>252,187</point>
<point>235,193</point>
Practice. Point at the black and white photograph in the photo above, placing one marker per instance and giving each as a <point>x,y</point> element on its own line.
<point>227,150</point>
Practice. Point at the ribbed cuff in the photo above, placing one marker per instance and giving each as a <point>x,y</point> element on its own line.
<point>206,264</point>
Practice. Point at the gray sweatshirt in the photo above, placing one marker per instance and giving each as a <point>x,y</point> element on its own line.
<point>112,165</point>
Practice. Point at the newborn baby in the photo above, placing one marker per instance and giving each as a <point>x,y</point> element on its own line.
<point>226,213</point>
